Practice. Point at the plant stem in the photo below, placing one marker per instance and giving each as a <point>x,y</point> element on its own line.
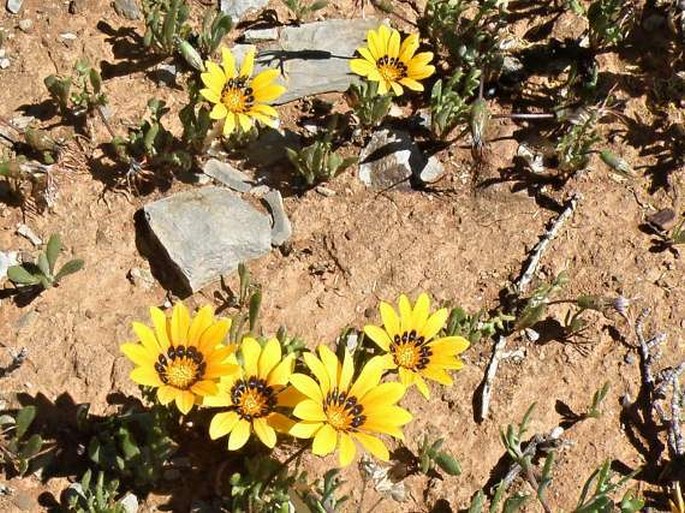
<point>283,465</point>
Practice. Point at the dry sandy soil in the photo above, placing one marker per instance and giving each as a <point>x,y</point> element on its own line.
<point>348,252</point>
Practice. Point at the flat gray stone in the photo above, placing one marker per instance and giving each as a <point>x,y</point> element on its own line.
<point>432,171</point>
<point>282,228</point>
<point>261,35</point>
<point>14,6</point>
<point>207,232</point>
<point>315,57</point>
<point>226,174</point>
<point>237,9</point>
<point>127,8</point>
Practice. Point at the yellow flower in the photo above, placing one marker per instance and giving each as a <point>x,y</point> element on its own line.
<point>392,64</point>
<point>237,97</point>
<point>182,357</point>
<point>410,344</point>
<point>253,395</point>
<point>337,411</point>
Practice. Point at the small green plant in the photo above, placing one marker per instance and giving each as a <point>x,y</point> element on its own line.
<point>42,273</point>
<point>79,94</point>
<point>449,102</point>
<point>248,302</point>
<point>578,141</point>
<point>133,444</point>
<point>324,497</point>
<point>369,106</point>
<point>610,22</point>
<point>318,162</point>
<point>467,42</point>
<point>16,450</point>
<point>165,24</point>
<point>475,327</point>
<point>28,182</point>
<point>215,25</point>
<point>302,9</point>
<point>431,458</point>
<point>90,496</point>
<point>595,496</point>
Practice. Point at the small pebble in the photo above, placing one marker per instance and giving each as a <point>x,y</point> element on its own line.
<point>325,191</point>
<point>25,25</point>
<point>77,6</point>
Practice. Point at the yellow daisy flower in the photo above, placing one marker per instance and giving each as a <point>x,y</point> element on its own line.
<point>393,64</point>
<point>253,396</point>
<point>337,411</point>
<point>409,342</point>
<point>182,357</point>
<point>237,97</point>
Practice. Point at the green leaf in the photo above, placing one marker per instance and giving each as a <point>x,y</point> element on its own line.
<point>477,502</point>
<point>52,251</point>
<point>514,502</point>
<point>94,448</point>
<point>318,5</point>
<point>43,265</point>
<point>448,463</point>
<point>255,304</point>
<point>31,447</point>
<point>24,419</point>
<point>69,268</point>
<point>19,275</point>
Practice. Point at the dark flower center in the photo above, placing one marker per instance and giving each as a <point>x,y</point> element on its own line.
<point>237,96</point>
<point>181,367</point>
<point>253,398</point>
<point>410,351</point>
<point>344,413</point>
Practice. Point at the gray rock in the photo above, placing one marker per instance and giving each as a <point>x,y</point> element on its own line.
<point>228,175</point>
<point>14,6</point>
<point>28,233</point>
<point>237,9</point>
<point>165,74</point>
<point>207,232</point>
<point>129,502</point>
<point>127,8</point>
<point>282,228</point>
<point>7,260</point>
<point>315,57</point>
<point>391,158</point>
<point>261,35</point>
<point>432,171</point>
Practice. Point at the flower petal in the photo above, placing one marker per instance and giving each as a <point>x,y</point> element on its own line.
<point>331,364</point>
<point>412,84</point>
<point>210,95</point>
<point>138,354</point>
<point>379,336</point>
<point>280,422</point>
<point>166,394</point>
<point>361,67</point>
<point>244,121</point>
<point>347,450</point>
<point>319,370</point>
<point>264,432</point>
<point>325,441</point>
<point>247,66</point>
<point>180,322</point>
<point>390,319</point>
<point>263,79</point>
<point>405,314</point>
<point>219,111</point>
<point>271,355</point>
<point>161,324</point>
<point>409,47</point>
<point>394,44</point>
<point>305,429</point>
<point>369,377</point>
<point>435,323</point>
<point>421,309</point>
<point>384,394</point>
<point>309,410</point>
<point>307,386</point>
<point>228,63</point>
<point>280,375</point>
<point>373,445</point>
<point>346,372</point>
<point>239,435</point>
<point>222,424</point>
<point>214,335</point>
<point>290,397</point>
<point>146,376</point>
<point>185,401</point>
<point>422,387</point>
<point>229,124</point>
<point>204,387</point>
<point>146,337</point>
<point>250,349</point>
<point>269,93</point>
<point>203,319</point>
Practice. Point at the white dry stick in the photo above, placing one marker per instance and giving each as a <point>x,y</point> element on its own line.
<point>520,287</point>
<point>490,376</point>
<point>522,284</point>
